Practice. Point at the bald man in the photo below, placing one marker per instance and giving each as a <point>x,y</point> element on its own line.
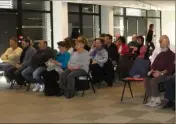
<point>158,49</point>
<point>162,67</point>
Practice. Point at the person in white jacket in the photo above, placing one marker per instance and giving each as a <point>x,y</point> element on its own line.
<point>11,57</point>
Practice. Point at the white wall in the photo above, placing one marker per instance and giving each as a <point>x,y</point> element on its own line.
<point>107,25</point>
<point>60,21</point>
<point>168,25</point>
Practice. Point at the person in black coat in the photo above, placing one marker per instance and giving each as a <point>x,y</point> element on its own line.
<point>150,45</point>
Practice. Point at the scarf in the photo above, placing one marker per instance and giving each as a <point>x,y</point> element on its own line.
<point>93,54</point>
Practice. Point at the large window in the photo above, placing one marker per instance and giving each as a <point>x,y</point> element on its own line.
<point>36,24</point>
<point>84,19</point>
<point>129,21</point>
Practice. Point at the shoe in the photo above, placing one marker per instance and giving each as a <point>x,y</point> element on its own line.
<point>150,101</point>
<point>168,105</point>
<point>42,87</point>
<point>155,103</point>
<point>36,88</point>
<point>69,94</point>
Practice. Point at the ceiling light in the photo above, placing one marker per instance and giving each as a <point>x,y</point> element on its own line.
<point>120,3</point>
<point>28,3</point>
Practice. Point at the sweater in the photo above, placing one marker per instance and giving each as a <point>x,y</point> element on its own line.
<point>164,61</point>
<point>101,57</point>
<point>13,56</point>
<point>80,60</point>
<point>63,58</point>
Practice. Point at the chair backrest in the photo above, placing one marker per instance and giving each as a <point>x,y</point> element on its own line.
<point>140,67</point>
<point>124,66</point>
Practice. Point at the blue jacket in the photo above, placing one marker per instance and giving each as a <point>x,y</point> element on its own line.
<point>63,58</point>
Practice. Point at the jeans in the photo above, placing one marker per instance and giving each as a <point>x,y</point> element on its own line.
<point>170,88</point>
<point>37,74</point>
<point>9,73</point>
<point>27,74</point>
<point>4,66</point>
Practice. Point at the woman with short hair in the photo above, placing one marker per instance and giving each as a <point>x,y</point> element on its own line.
<point>78,65</point>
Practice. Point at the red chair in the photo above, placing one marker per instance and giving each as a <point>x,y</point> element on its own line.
<point>128,81</point>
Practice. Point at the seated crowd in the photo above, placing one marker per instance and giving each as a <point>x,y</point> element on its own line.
<point>55,71</point>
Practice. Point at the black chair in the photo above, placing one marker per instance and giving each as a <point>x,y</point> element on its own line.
<point>82,83</point>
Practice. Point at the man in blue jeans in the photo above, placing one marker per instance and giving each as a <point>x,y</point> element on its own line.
<point>37,65</point>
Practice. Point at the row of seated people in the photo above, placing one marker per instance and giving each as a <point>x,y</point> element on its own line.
<point>41,66</point>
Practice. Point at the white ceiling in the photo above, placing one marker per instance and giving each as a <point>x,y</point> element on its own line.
<point>145,4</point>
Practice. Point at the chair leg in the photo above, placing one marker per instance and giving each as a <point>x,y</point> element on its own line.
<point>92,86</point>
<point>28,86</point>
<point>82,93</point>
<point>12,83</point>
<point>145,98</point>
<point>129,84</point>
<point>123,91</point>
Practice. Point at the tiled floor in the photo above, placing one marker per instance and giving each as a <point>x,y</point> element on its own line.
<point>19,106</point>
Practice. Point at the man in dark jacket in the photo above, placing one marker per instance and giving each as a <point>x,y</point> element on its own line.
<point>37,63</point>
<point>113,58</point>
<point>13,72</point>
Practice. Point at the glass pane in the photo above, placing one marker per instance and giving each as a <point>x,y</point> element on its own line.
<point>37,26</point>
<point>157,29</point>
<point>8,4</point>
<point>90,8</point>
<point>96,26</point>
<point>73,25</point>
<point>88,26</point>
<point>7,29</point>
<point>73,7</point>
<point>153,13</point>
<point>142,26</point>
<point>36,5</point>
<point>131,26</point>
<point>118,11</point>
<point>118,25</point>
<point>135,12</point>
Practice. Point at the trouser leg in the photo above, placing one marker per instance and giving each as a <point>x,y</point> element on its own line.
<point>27,74</point>
<point>37,74</point>
<point>63,79</point>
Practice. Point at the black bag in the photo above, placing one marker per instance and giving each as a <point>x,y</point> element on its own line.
<point>52,91</point>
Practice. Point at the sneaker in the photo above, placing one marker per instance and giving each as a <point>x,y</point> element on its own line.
<point>36,88</point>
<point>149,103</point>
<point>42,87</point>
<point>155,104</point>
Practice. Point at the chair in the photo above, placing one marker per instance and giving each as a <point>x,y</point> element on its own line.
<point>82,83</point>
<point>128,81</point>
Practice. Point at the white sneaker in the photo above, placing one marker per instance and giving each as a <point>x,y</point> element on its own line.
<point>156,103</point>
<point>36,88</point>
<point>150,101</point>
<point>42,87</point>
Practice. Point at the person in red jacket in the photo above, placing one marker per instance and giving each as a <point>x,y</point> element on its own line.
<point>122,46</point>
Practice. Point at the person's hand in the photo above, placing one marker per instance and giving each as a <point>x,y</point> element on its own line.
<point>156,74</point>
<point>94,62</point>
<point>18,66</point>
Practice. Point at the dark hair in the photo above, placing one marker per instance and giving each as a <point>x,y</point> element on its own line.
<point>108,35</point>
<point>27,41</point>
<point>68,42</point>
<point>142,39</point>
<point>101,40</point>
<point>122,39</point>
<point>62,44</point>
<point>45,42</point>
<point>102,35</point>
<point>14,39</point>
<point>151,26</point>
